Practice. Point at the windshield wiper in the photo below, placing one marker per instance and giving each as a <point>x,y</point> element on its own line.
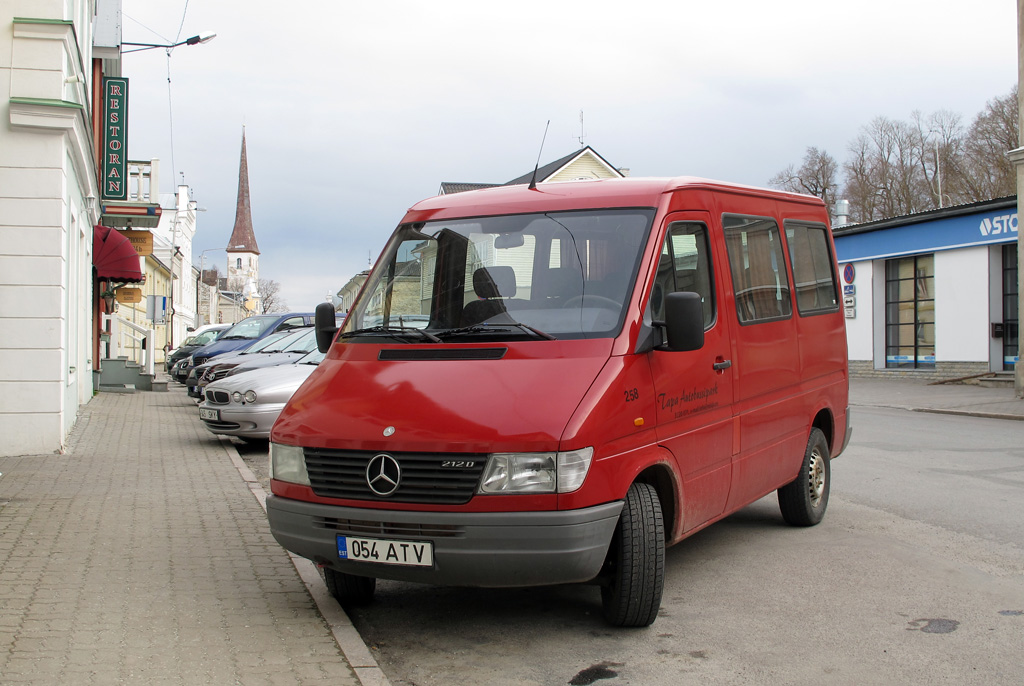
<point>397,332</point>
<point>502,327</point>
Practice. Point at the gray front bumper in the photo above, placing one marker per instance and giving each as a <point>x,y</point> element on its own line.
<point>489,549</point>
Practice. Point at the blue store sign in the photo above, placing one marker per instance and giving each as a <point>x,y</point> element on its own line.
<point>946,233</point>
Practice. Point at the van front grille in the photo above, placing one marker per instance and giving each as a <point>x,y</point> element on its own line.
<point>434,478</point>
<point>358,527</point>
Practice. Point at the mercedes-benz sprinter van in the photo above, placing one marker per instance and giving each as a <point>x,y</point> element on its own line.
<point>552,384</point>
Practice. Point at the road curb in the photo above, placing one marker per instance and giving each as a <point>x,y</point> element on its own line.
<point>350,643</point>
<point>970,413</point>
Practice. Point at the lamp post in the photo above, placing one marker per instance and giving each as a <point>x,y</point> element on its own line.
<point>202,273</point>
<point>204,37</point>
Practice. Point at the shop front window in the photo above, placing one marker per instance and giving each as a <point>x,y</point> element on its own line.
<point>910,312</point>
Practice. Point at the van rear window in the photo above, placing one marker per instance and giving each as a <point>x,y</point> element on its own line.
<point>758,266</point>
<point>814,271</point>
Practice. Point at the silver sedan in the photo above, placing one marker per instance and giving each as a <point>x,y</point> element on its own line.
<point>247,405</point>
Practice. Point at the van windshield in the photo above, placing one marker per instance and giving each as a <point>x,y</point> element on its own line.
<point>554,275</point>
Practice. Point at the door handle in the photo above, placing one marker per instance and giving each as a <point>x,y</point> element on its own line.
<point>722,365</point>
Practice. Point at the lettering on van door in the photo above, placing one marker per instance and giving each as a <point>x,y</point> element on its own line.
<point>689,402</point>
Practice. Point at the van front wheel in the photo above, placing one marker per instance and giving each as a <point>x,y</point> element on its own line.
<point>349,590</point>
<point>803,501</point>
<point>634,572</point>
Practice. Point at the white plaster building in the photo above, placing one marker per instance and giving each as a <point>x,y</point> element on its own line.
<point>48,207</point>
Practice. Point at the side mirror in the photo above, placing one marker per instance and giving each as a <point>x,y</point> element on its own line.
<point>684,321</point>
<point>325,325</point>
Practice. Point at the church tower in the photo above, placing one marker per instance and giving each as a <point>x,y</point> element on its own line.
<point>243,253</point>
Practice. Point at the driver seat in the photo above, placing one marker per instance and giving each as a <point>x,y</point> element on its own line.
<point>492,286</point>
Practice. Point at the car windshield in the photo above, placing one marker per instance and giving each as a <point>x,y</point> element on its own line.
<point>304,343</point>
<point>312,357</point>
<point>252,327</point>
<point>535,276</point>
<point>204,338</point>
<point>290,338</point>
<point>269,340</point>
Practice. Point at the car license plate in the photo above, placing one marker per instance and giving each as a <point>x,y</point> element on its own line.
<point>207,413</point>
<point>387,552</point>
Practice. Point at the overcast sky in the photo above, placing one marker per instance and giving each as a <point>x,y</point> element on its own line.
<point>353,111</point>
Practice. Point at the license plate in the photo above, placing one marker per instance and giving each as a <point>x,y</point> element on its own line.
<point>387,552</point>
<point>212,415</point>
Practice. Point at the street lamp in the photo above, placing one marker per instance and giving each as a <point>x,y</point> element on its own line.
<point>202,274</point>
<point>204,37</point>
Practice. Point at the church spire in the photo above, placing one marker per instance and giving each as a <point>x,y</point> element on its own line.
<point>242,237</point>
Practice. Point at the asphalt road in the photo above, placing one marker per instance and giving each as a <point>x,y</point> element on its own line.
<point>915,576</point>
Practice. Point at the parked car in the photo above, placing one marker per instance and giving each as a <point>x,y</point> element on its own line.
<point>184,370</point>
<point>251,329</point>
<point>195,373</point>
<point>197,339</point>
<point>247,405</point>
<point>284,350</point>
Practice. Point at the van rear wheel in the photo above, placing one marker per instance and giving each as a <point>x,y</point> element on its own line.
<point>635,569</point>
<point>803,501</point>
<point>349,590</point>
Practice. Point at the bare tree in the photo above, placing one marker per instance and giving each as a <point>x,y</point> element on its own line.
<point>988,173</point>
<point>816,176</point>
<point>270,296</point>
<point>896,167</point>
<point>941,137</point>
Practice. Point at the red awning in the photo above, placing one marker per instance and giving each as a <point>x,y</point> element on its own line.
<point>113,255</point>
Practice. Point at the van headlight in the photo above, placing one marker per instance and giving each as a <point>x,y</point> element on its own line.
<point>563,472</point>
<point>287,463</point>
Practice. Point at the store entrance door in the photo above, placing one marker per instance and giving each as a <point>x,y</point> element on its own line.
<point>1011,324</point>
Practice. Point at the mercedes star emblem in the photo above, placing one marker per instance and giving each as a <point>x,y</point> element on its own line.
<point>383,474</point>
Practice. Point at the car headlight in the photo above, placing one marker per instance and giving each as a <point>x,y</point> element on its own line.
<point>287,463</point>
<point>561,472</point>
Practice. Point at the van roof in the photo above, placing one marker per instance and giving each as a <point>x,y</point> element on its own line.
<point>574,195</point>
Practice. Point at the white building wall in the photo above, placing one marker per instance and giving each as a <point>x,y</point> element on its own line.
<point>46,219</point>
<point>860,329</point>
<point>962,305</point>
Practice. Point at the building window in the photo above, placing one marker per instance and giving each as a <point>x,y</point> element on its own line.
<point>910,312</point>
<point>1011,323</point>
<point>238,263</point>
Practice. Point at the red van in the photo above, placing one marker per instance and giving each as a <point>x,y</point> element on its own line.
<point>551,385</point>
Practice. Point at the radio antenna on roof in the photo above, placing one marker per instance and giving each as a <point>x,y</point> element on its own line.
<point>533,181</point>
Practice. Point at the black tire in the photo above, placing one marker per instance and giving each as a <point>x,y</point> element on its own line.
<point>803,502</point>
<point>634,573</point>
<point>350,590</point>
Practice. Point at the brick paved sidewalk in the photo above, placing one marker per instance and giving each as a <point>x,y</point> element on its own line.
<point>142,557</point>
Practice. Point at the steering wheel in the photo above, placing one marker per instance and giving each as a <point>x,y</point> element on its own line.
<point>599,299</point>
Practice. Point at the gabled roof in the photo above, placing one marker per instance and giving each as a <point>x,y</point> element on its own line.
<point>552,168</point>
<point>456,187</point>
<point>243,239</point>
<point>544,173</point>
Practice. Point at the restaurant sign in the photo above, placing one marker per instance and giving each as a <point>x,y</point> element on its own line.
<point>115,139</point>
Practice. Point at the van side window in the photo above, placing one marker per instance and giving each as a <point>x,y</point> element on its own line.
<point>684,266</point>
<point>814,273</point>
<point>758,267</point>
